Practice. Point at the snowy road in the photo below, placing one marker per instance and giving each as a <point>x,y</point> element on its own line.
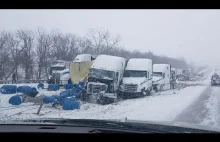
<point>205,110</point>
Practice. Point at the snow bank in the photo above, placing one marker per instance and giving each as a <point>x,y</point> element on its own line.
<point>213,107</point>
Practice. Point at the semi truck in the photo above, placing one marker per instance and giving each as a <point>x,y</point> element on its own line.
<point>161,77</point>
<point>137,78</point>
<point>104,79</point>
<point>59,72</point>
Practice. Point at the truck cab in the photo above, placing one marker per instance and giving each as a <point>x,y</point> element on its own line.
<point>161,77</point>
<point>137,78</point>
<point>56,70</point>
<point>104,78</point>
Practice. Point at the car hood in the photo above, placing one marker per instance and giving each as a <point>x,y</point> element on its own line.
<point>133,80</point>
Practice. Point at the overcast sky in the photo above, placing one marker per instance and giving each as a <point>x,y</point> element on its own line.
<point>192,34</point>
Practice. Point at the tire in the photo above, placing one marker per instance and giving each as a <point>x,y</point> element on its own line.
<point>146,93</point>
<point>161,87</point>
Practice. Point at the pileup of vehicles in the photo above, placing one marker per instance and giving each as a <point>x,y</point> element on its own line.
<point>108,78</point>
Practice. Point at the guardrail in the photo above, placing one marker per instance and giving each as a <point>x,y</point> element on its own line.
<point>23,81</point>
<point>30,81</point>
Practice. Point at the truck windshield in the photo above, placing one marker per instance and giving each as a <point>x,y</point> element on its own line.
<point>57,68</point>
<point>131,73</point>
<point>159,74</point>
<point>103,74</point>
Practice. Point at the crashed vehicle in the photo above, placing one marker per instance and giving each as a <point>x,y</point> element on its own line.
<point>215,80</point>
<point>104,78</point>
<point>137,79</point>
<point>59,72</point>
<point>161,77</point>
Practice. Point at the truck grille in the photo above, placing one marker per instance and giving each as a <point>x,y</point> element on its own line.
<point>131,87</point>
<point>96,88</point>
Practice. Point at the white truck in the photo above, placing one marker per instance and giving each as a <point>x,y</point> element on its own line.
<point>104,78</point>
<point>59,72</point>
<point>137,78</point>
<point>161,77</point>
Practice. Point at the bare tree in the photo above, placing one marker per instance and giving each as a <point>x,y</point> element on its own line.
<point>4,56</point>
<point>59,48</point>
<point>44,43</point>
<point>73,46</point>
<point>27,43</point>
<point>102,41</point>
<point>15,50</point>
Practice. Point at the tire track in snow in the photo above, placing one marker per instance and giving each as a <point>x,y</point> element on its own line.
<point>205,110</point>
<point>196,112</point>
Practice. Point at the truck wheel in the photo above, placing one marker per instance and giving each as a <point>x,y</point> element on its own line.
<point>146,93</point>
<point>161,87</point>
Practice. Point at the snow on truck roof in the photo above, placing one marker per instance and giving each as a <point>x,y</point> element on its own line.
<point>160,67</point>
<point>83,58</point>
<point>108,62</point>
<point>139,64</point>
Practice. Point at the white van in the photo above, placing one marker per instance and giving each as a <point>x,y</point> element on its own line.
<point>104,77</point>
<point>137,78</point>
<point>161,77</point>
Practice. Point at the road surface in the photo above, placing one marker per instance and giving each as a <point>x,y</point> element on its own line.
<point>205,110</point>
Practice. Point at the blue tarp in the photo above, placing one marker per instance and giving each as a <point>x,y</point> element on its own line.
<point>16,100</point>
<point>8,89</point>
<point>53,87</point>
<point>40,85</point>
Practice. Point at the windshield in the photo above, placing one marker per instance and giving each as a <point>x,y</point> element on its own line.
<point>102,74</point>
<point>132,73</point>
<point>126,69</point>
<point>158,74</point>
<point>57,68</point>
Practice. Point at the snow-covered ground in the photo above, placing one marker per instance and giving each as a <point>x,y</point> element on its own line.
<point>213,106</point>
<point>161,106</point>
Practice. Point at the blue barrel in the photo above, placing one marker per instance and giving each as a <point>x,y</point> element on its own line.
<point>15,100</point>
<point>50,99</point>
<point>53,87</point>
<point>68,86</point>
<point>63,99</point>
<point>40,85</point>
<point>8,89</point>
<point>69,104</point>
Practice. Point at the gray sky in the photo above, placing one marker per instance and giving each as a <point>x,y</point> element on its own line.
<point>192,34</point>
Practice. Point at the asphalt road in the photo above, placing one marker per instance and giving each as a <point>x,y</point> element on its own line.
<point>205,110</point>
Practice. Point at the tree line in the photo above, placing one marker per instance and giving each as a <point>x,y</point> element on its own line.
<point>29,54</point>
